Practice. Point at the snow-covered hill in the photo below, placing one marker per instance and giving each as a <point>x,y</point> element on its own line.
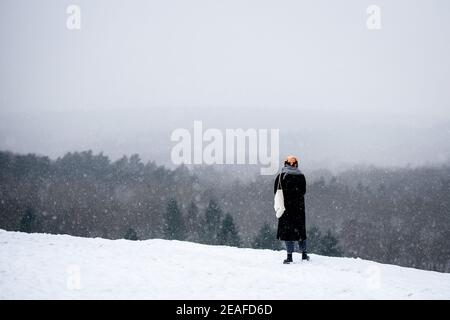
<point>40,266</point>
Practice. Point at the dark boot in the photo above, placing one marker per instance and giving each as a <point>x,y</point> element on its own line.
<point>289,259</point>
<point>305,256</point>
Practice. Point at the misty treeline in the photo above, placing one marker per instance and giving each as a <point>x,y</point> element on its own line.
<point>398,216</point>
<point>86,194</point>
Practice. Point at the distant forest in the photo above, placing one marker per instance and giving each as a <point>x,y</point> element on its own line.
<point>397,215</point>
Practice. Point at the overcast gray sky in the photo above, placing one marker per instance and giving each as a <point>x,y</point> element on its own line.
<point>138,69</point>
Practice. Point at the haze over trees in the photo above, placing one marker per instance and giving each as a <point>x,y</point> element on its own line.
<point>398,216</point>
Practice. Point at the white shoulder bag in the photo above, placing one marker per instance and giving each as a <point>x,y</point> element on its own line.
<point>279,200</point>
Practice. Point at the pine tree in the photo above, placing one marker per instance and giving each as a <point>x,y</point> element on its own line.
<point>327,244</point>
<point>213,217</point>
<point>174,228</point>
<point>192,223</point>
<point>331,245</point>
<point>29,222</point>
<point>266,239</point>
<point>228,234</point>
<point>131,235</point>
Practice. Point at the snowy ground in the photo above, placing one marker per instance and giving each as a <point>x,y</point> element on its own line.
<point>40,266</point>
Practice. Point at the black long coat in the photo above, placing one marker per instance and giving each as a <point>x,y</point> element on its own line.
<point>291,225</point>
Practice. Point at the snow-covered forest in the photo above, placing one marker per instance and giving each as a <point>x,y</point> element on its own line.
<point>397,216</point>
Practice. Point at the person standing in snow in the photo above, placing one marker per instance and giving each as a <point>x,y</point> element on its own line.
<point>291,225</point>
